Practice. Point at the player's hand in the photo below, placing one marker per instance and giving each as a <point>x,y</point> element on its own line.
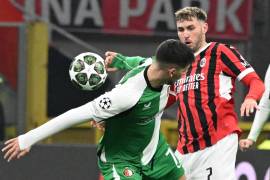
<point>109,55</point>
<point>12,150</point>
<point>100,126</point>
<point>245,144</point>
<point>248,106</point>
<point>183,177</point>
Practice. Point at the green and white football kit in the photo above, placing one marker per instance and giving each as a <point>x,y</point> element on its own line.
<point>163,166</point>
<point>132,146</point>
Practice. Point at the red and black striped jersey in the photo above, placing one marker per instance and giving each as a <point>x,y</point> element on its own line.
<point>206,106</point>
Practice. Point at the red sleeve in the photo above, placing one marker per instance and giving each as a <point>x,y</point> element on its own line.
<point>172,97</point>
<point>255,84</point>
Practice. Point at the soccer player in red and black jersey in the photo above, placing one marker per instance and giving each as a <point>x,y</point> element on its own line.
<point>208,130</point>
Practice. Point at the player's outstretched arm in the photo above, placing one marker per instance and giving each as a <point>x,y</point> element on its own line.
<point>12,150</point>
<point>19,146</point>
<point>105,106</point>
<point>234,65</point>
<point>116,61</point>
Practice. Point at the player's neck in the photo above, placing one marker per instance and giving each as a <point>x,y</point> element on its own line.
<point>155,76</point>
<point>203,44</point>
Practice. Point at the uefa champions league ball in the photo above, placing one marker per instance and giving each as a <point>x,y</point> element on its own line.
<point>87,71</point>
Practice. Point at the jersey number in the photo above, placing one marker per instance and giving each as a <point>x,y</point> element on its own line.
<point>210,172</point>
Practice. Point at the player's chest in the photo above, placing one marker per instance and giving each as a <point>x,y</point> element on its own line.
<point>149,105</point>
<point>204,70</point>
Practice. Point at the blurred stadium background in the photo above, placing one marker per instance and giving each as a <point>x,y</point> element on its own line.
<point>39,38</point>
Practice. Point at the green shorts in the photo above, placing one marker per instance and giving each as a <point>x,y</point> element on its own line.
<point>163,166</point>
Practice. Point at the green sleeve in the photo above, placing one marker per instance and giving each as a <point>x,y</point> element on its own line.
<point>127,63</point>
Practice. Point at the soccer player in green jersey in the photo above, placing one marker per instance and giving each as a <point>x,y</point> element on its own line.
<point>132,146</point>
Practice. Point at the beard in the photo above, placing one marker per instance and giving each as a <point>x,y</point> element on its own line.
<point>197,46</point>
<point>199,43</point>
<point>171,81</point>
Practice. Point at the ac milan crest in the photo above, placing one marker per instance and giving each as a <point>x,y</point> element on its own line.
<point>202,62</point>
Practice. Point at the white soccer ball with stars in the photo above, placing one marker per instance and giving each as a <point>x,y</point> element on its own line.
<point>87,71</point>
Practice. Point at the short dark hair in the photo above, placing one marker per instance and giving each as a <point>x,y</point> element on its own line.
<point>188,13</point>
<point>174,52</point>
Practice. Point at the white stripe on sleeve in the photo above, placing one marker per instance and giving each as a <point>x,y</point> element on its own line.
<point>244,73</point>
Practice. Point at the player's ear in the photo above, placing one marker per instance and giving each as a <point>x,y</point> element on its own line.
<point>205,27</point>
<point>172,71</point>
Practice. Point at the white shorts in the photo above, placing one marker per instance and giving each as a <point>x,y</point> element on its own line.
<point>213,163</point>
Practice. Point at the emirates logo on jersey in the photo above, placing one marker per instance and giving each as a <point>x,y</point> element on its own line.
<point>128,172</point>
<point>190,82</point>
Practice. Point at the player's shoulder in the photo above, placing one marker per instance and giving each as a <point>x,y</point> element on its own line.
<point>225,47</point>
<point>146,62</point>
<point>133,77</point>
<point>138,71</point>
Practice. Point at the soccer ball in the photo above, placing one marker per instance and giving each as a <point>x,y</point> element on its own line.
<point>87,71</point>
